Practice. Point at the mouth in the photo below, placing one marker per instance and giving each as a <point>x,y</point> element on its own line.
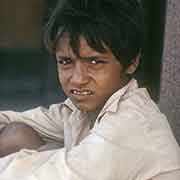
<point>81,92</point>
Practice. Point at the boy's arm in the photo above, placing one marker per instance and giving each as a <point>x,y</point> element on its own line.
<point>103,154</point>
<point>16,136</point>
<point>47,122</point>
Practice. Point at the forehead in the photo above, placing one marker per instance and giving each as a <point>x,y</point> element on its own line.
<point>63,47</point>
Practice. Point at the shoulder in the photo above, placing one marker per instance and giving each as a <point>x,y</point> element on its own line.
<point>127,125</point>
<point>139,125</point>
<point>138,120</point>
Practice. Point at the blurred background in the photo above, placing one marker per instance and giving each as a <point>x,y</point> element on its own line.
<point>27,73</point>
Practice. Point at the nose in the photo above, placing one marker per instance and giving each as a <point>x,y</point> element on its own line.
<point>80,74</point>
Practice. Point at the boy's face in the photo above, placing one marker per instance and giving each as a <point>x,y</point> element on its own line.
<point>90,80</point>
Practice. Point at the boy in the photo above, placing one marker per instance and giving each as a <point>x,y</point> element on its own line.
<point>108,128</point>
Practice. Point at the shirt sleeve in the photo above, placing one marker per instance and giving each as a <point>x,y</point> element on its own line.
<point>109,152</point>
<point>47,122</point>
<point>98,156</point>
<point>173,175</point>
<point>115,149</point>
<point>93,159</point>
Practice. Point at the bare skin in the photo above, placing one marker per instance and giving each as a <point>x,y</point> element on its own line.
<point>16,136</point>
<point>87,80</point>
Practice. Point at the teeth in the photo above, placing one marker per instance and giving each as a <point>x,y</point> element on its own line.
<point>81,92</point>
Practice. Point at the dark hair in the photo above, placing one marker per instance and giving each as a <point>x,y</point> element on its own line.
<point>113,24</point>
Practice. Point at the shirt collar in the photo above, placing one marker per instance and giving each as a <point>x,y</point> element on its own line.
<point>68,103</point>
<point>112,103</point>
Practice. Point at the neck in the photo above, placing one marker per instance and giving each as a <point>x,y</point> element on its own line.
<point>92,117</point>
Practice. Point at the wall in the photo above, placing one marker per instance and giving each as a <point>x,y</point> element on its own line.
<point>170,79</point>
<point>27,74</point>
<point>21,23</point>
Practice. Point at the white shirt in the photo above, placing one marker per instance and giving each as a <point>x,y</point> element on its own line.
<point>130,140</point>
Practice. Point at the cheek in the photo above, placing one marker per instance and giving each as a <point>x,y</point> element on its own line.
<point>62,77</point>
<point>112,80</point>
<point>59,75</point>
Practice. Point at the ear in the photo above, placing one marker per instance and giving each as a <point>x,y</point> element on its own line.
<point>133,66</point>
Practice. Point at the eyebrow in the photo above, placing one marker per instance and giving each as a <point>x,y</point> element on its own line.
<point>82,58</point>
<point>63,57</point>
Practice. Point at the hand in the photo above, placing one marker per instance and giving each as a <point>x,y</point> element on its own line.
<point>16,136</point>
<point>2,126</point>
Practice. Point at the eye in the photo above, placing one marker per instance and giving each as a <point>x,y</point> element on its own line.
<point>64,61</point>
<point>97,61</point>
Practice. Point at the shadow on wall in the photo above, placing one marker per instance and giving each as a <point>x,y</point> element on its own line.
<point>153,46</point>
<point>28,79</point>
